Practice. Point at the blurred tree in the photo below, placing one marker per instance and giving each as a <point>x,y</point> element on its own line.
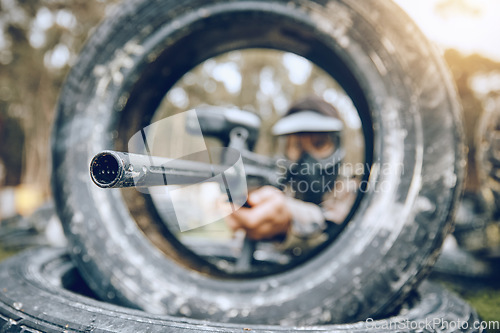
<point>265,82</point>
<point>464,70</point>
<point>39,40</point>
<point>11,134</point>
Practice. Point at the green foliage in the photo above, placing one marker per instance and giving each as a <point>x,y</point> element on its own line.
<point>487,304</point>
<point>483,297</point>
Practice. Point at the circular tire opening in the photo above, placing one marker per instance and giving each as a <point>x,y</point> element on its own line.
<point>262,72</point>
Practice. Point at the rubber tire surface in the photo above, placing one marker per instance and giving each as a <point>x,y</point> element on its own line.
<point>35,296</point>
<point>406,101</point>
<point>476,229</point>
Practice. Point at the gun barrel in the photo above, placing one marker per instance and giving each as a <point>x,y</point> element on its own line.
<point>112,169</point>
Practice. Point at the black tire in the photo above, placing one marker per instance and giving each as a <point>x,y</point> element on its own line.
<point>40,228</point>
<point>476,230</point>
<point>38,294</point>
<point>488,155</point>
<point>457,264</point>
<point>412,127</point>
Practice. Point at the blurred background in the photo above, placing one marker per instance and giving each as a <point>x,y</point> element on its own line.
<point>40,39</point>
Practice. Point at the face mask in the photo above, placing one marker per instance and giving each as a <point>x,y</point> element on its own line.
<point>310,177</point>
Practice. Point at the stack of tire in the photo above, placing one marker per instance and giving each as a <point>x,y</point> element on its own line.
<point>112,278</point>
<point>478,221</point>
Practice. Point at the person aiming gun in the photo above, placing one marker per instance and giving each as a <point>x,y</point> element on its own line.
<point>311,203</point>
<point>295,200</point>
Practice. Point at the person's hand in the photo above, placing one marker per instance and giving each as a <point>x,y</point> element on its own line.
<point>268,215</point>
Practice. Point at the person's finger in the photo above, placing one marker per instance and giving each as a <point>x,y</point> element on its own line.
<point>264,231</point>
<point>255,216</point>
<point>232,223</point>
<point>262,194</point>
<point>240,216</point>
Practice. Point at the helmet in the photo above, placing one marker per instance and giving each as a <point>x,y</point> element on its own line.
<point>309,115</point>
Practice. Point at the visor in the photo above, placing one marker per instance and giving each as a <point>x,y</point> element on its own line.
<point>307,121</point>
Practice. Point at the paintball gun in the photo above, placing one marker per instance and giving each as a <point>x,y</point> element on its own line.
<point>112,169</point>
<point>238,130</point>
